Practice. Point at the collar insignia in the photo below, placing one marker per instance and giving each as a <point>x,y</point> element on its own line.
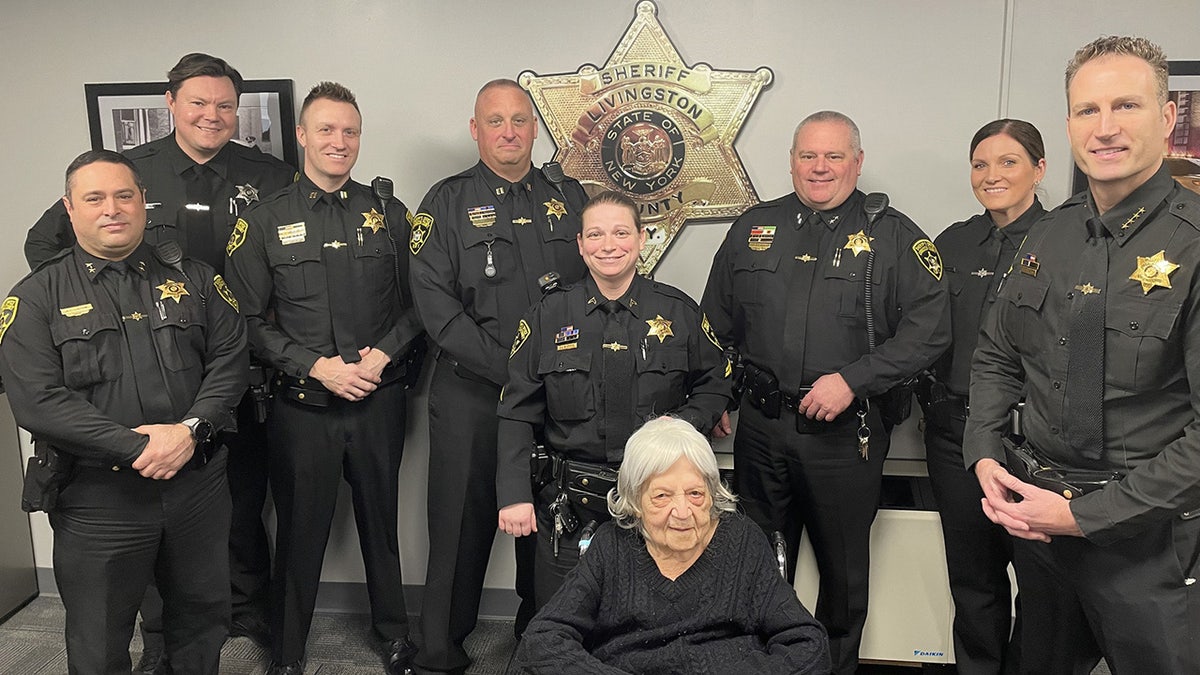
<point>1133,219</point>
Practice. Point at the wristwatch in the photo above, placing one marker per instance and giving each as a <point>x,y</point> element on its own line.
<point>202,429</point>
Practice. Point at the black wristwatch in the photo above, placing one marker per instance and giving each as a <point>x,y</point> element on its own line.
<point>202,429</point>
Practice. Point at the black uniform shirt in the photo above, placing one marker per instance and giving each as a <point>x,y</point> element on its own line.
<point>278,270</point>
<point>466,222</point>
<point>1152,354</point>
<point>751,296</point>
<point>69,370</point>
<point>976,255</point>
<point>235,178</point>
<point>555,375</point>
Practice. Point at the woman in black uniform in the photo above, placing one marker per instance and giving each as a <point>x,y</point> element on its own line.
<point>1007,163</point>
<point>590,363</point>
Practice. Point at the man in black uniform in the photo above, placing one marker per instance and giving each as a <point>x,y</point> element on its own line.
<point>317,266</point>
<point>788,289</point>
<point>126,361</point>
<point>588,366</point>
<point>1099,324</point>
<point>197,182</point>
<point>480,243</point>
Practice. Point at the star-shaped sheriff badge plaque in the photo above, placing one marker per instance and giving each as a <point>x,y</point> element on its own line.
<point>654,128</point>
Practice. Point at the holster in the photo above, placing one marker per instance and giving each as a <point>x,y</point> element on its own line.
<point>46,473</point>
<point>260,390</point>
<point>586,485</point>
<point>762,390</point>
<point>541,468</point>
<point>1034,468</point>
<point>895,404</point>
<point>414,359</point>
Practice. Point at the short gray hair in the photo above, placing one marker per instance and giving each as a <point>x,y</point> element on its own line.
<point>831,116</point>
<point>652,450</point>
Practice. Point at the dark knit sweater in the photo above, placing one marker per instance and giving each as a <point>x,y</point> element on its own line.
<point>730,612</point>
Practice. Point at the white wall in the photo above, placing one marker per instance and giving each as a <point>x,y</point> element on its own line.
<point>918,76</point>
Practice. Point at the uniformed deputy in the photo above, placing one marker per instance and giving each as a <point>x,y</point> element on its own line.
<point>326,304</point>
<point>1099,326</point>
<point>480,242</point>
<point>127,361</point>
<point>1007,163</point>
<point>788,290</point>
<point>197,182</point>
<point>588,366</point>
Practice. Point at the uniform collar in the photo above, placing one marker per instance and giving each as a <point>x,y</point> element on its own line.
<point>180,161</point>
<point>1015,231</point>
<point>500,187</point>
<point>91,266</point>
<point>1126,218</point>
<point>833,217</point>
<point>630,299</point>
<point>314,195</point>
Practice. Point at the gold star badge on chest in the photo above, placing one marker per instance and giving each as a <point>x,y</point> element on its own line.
<point>555,208</point>
<point>858,242</point>
<point>659,328</point>
<point>1153,271</point>
<point>173,290</point>
<point>373,220</point>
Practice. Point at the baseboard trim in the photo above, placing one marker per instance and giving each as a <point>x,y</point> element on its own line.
<point>351,597</point>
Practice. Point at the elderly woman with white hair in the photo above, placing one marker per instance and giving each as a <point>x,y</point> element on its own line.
<point>679,582</point>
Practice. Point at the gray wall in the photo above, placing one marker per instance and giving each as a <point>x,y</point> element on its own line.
<point>918,76</point>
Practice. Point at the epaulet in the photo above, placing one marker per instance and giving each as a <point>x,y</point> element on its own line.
<point>1186,205</point>
<point>767,204</point>
<point>672,292</point>
<point>142,151</point>
<point>258,156</point>
<point>437,187</point>
<point>57,256</point>
<point>275,196</point>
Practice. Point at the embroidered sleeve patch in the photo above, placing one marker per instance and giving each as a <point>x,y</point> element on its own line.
<point>929,257</point>
<point>422,225</point>
<point>224,292</point>
<point>523,332</point>
<point>8,312</point>
<point>238,237</point>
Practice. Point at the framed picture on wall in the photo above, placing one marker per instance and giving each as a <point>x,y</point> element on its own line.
<point>127,114</point>
<point>1183,146</point>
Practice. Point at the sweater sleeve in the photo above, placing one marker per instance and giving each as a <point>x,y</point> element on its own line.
<point>554,641</point>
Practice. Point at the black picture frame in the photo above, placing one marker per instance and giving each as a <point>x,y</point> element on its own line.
<point>1181,74</point>
<point>123,115</point>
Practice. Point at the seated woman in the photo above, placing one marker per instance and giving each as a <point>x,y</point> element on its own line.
<point>679,583</point>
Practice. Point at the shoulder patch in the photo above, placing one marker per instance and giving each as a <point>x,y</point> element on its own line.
<point>224,292</point>
<point>709,332</point>
<point>422,225</point>
<point>8,312</point>
<point>237,237</point>
<point>523,333</point>
<point>928,256</point>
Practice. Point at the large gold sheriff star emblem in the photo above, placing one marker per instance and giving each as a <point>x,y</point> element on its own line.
<point>373,221</point>
<point>654,128</point>
<point>659,328</point>
<point>1153,271</point>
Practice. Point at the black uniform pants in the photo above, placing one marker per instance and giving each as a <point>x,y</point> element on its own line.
<point>977,553</point>
<point>311,450</point>
<point>462,514</point>
<point>249,549</point>
<point>114,532</point>
<point>788,481</point>
<point>1134,602</point>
